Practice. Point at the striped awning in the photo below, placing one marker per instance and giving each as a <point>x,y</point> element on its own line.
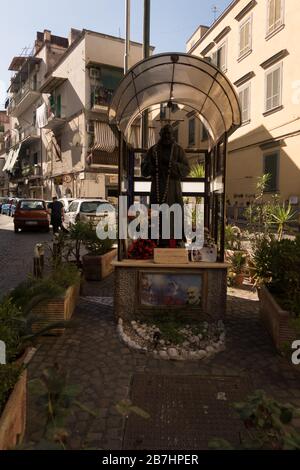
<point>105,139</point>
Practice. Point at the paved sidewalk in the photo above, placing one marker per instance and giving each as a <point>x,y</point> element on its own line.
<point>103,367</point>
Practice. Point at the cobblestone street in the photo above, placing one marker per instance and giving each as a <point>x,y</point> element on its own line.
<point>103,367</point>
<point>16,259</point>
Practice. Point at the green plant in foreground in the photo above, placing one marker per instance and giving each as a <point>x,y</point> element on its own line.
<point>268,425</point>
<point>281,216</point>
<point>94,245</point>
<point>232,238</point>
<point>55,397</point>
<point>238,262</point>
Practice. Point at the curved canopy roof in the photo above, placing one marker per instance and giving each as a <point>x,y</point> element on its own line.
<point>180,78</point>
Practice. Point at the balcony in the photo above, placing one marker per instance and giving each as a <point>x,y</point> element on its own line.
<point>32,171</point>
<point>99,158</point>
<point>101,99</point>
<point>26,135</point>
<point>24,98</point>
<point>55,121</point>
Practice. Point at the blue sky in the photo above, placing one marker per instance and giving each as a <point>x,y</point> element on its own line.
<point>172,23</point>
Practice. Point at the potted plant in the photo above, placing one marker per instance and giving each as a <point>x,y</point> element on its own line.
<point>97,263</point>
<point>277,274</point>
<point>238,263</point>
<point>51,300</point>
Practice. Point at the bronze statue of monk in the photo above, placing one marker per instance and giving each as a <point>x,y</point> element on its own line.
<point>166,164</point>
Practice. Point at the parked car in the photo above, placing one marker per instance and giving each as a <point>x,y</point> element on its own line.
<point>3,200</point>
<point>31,213</point>
<point>84,210</point>
<point>5,209</point>
<point>66,201</point>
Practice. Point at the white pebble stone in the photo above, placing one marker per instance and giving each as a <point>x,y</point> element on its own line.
<point>163,354</point>
<point>173,353</point>
<point>201,354</point>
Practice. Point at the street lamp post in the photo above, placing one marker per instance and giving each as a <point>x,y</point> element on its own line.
<point>146,54</point>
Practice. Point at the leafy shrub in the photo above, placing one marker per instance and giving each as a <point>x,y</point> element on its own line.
<point>233,237</point>
<point>65,275</point>
<point>268,425</point>
<point>94,245</point>
<point>277,264</point>
<point>9,375</point>
<point>33,291</point>
<point>11,327</point>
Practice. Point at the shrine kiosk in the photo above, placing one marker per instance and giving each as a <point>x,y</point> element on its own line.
<point>195,287</point>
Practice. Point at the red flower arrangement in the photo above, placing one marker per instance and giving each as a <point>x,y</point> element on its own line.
<point>141,249</point>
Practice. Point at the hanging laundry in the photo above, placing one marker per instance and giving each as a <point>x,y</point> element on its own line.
<point>42,116</point>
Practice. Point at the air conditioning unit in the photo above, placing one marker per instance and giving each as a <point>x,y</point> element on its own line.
<point>94,73</point>
<point>90,128</point>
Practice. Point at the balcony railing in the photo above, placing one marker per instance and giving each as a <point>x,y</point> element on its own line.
<point>101,98</point>
<point>31,86</point>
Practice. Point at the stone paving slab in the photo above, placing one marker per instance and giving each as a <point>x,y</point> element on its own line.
<point>103,367</point>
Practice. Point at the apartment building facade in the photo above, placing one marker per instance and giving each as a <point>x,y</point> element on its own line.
<point>4,135</point>
<point>256,44</point>
<point>72,150</point>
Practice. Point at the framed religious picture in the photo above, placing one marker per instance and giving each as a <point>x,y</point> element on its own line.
<point>185,290</point>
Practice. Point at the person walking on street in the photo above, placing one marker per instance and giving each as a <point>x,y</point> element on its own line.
<point>56,208</point>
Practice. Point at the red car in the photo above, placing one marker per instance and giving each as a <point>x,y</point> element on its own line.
<point>31,213</point>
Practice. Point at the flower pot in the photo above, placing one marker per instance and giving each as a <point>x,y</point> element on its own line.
<point>96,268</point>
<point>276,320</point>
<point>239,280</point>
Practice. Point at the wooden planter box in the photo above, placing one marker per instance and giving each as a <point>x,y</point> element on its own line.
<point>277,321</point>
<point>96,268</point>
<point>13,418</point>
<point>56,310</point>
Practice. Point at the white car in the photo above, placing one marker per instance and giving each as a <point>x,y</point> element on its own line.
<point>85,210</point>
<point>66,201</point>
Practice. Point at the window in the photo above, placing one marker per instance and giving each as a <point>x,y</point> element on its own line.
<point>245,37</point>
<point>104,81</point>
<point>35,158</point>
<point>73,207</point>
<point>273,88</point>
<point>219,57</point>
<point>32,205</point>
<point>271,161</point>
<point>192,123</point>
<point>275,15</point>
<point>91,207</point>
<point>244,97</point>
